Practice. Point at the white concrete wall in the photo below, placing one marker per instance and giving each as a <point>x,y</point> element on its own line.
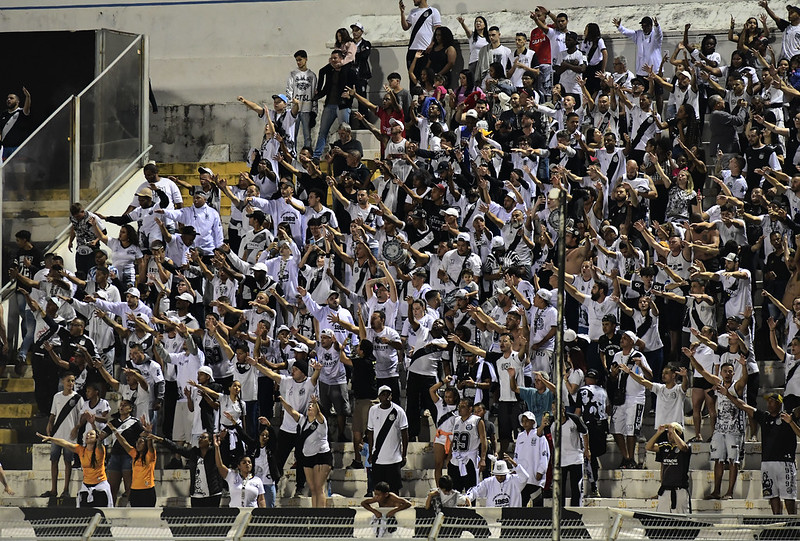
<point>203,55</point>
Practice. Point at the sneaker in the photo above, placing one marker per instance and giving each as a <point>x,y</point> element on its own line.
<point>595,494</point>
<point>48,494</point>
<point>368,495</point>
<point>356,465</point>
<point>299,492</point>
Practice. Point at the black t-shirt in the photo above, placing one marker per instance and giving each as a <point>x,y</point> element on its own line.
<point>778,440</point>
<point>363,382</point>
<point>28,263</point>
<point>674,465</point>
<point>609,346</point>
<point>19,132</point>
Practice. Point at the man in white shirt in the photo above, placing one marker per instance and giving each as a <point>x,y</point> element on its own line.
<point>628,409</point>
<point>647,40</point>
<point>387,435</point>
<point>493,52</point>
<point>736,284</point>
<point>64,416</point>
<point>422,21</point>
<point>791,29</point>
<point>504,488</point>
<point>533,452</point>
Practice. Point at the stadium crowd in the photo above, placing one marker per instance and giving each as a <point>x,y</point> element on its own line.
<point>428,287</point>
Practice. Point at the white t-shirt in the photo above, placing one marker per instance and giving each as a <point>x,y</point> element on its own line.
<point>244,492</point>
<point>669,406</point>
<point>425,35</point>
<point>59,402</point>
<point>298,396</point>
<point>385,355</point>
<point>738,292</point>
<point>390,451</point>
<point>634,392</point>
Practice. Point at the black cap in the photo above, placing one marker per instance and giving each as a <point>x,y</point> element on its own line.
<point>592,373</point>
<point>611,318</point>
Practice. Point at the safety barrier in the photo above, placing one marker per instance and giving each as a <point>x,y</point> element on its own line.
<point>338,523</point>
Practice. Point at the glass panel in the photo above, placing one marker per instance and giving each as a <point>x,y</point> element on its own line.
<point>36,186</point>
<point>114,44</point>
<point>109,124</point>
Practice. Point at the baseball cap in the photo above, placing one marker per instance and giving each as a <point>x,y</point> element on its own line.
<point>384,389</point>
<point>185,296</point>
<point>463,236</point>
<point>527,415</point>
<point>200,193</point>
<point>259,267</point>
<point>326,332</point>
<point>611,318</point>
<point>282,97</point>
<point>544,294</point>
<point>145,192</point>
<point>206,170</point>
<point>498,242</point>
<point>133,291</point>
<point>611,227</point>
<point>570,336</point>
<point>452,211</point>
<point>631,335</point>
<point>505,290</point>
<point>460,293</point>
<point>592,373</point>
<point>300,347</point>
<point>731,257</point>
<point>282,328</point>
<point>207,371</point>
<point>357,25</point>
<point>395,122</point>
<point>472,113</point>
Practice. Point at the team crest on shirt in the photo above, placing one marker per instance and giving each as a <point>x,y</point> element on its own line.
<point>392,416</point>
<point>468,427</point>
<point>302,391</point>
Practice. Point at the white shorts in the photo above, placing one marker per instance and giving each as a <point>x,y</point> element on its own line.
<point>727,447</point>
<point>779,480</point>
<point>627,419</point>
<point>182,425</point>
<point>681,501</point>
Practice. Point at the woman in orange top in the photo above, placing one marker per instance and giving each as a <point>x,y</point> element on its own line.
<point>143,485</point>
<point>95,491</point>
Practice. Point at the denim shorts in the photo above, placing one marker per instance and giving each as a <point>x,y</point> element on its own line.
<point>56,451</point>
<point>120,463</point>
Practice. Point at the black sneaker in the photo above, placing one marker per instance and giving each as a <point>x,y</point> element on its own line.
<point>356,465</point>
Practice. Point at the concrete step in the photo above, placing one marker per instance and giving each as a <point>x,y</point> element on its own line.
<point>353,483</point>
<point>757,506</point>
<point>15,385</point>
<point>17,410</point>
<point>25,429</point>
<point>29,484</point>
<point>643,484</point>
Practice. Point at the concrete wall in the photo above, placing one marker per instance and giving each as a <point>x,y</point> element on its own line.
<point>203,55</point>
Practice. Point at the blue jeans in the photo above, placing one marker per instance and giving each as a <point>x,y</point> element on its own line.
<point>329,115</point>
<point>269,495</point>
<point>304,123</point>
<point>28,325</point>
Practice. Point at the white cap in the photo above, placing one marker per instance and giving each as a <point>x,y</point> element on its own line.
<point>472,113</point>
<point>207,371</point>
<point>133,291</point>
<point>185,296</point>
<point>452,211</point>
<point>527,415</point>
<point>384,389</point>
<point>395,122</point>
<point>544,294</point>
<point>498,242</point>
<point>202,170</point>
<point>463,236</point>
<point>259,267</point>
<point>300,348</point>
<point>570,336</point>
<point>281,329</point>
<point>500,468</point>
<point>631,335</point>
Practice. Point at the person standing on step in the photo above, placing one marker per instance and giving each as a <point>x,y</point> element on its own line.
<point>469,448</point>
<point>674,454</point>
<point>727,440</point>
<point>64,417</point>
<point>779,431</point>
<point>387,435</point>
<point>592,407</point>
<point>422,21</point>
<point>95,490</point>
<point>533,452</point>
<point>301,85</point>
<point>504,488</point>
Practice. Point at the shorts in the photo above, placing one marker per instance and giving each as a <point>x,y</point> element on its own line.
<point>508,419</point>
<point>699,382</point>
<point>779,480</point>
<point>672,316</point>
<point>627,419</point>
<point>335,395</point>
<point>727,447</point>
<point>665,504</point>
<point>361,414</point>
<point>56,452</point>
<point>120,463</point>
<point>182,424</point>
<point>391,473</point>
<point>320,459</point>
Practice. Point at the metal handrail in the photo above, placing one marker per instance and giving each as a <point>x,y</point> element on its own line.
<point>38,129</point>
<point>137,40</point>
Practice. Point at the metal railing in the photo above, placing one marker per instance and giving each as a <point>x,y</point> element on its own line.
<point>81,152</point>
<point>340,523</point>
